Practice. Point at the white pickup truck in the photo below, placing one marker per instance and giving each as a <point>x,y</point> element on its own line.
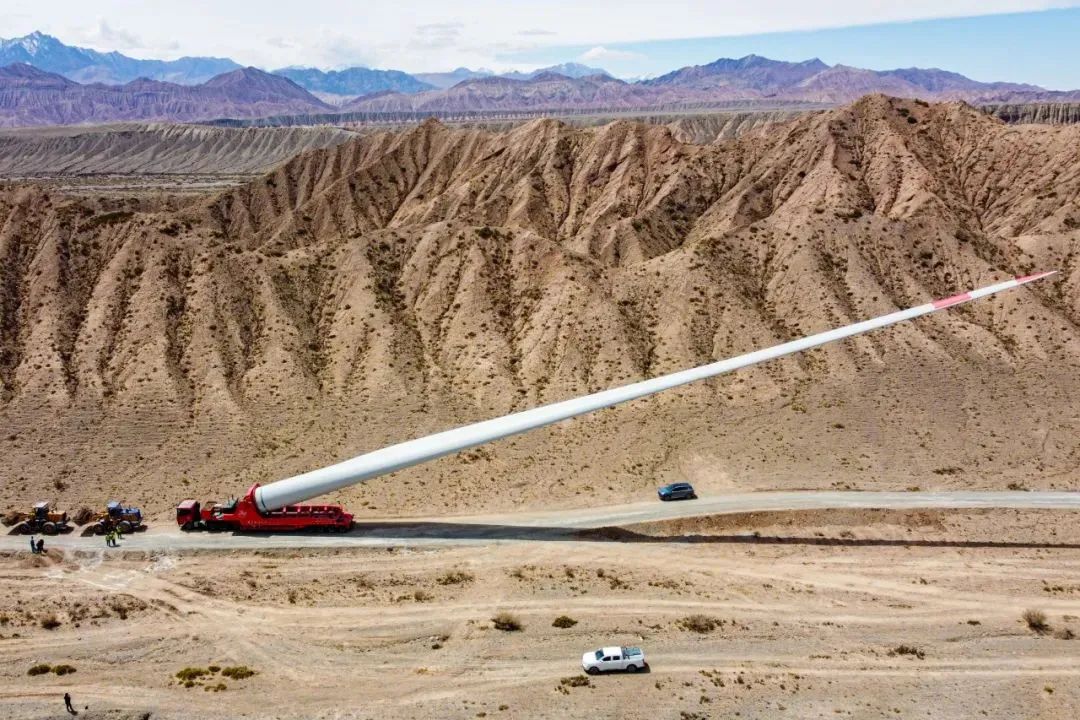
<point>630,659</point>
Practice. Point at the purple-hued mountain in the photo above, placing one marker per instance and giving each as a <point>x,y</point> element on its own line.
<point>43,81</point>
<point>29,96</point>
<point>751,79</point>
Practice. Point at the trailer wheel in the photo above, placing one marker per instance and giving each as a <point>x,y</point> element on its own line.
<point>49,528</point>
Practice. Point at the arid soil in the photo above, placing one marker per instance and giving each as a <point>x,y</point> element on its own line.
<point>838,623</point>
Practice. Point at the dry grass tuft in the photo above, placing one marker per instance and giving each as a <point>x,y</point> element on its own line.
<point>1036,621</point>
<point>506,622</point>
<point>703,624</point>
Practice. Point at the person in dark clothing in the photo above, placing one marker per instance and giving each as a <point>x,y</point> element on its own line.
<point>67,704</point>
<point>41,545</point>
<point>33,547</point>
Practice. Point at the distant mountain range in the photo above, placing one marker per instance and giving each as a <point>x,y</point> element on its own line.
<point>43,81</point>
<point>354,81</point>
<point>751,79</point>
<point>29,96</point>
<point>89,66</point>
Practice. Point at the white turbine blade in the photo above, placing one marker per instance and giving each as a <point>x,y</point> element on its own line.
<point>396,457</point>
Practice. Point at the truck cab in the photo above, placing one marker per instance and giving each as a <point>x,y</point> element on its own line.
<point>609,659</point>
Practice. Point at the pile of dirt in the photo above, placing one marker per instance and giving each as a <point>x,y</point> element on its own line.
<point>401,283</point>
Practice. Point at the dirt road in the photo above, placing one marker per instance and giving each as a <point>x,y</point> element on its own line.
<point>565,524</point>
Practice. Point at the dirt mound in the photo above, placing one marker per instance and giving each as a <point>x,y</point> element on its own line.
<point>400,283</point>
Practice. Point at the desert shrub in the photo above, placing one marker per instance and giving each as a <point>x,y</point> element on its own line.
<point>49,622</point>
<point>506,622</point>
<point>423,596</point>
<point>64,669</point>
<point>1065,634</point>
<point>907,650</point>
<point>1036,620</point>
<point>575,681</point>
<point>213,668</point>
<point>109,218</point>
<point>190,674</point>
<point>238,672</point>
<point>82,516</point>
<point>216,688</point>
<point>700,623</point>
<point>455,577</point>
<point>41,669</point>
<point>564,621</point>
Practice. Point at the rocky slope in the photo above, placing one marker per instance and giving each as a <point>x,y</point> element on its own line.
<point>401,282</point>
<point>29,96</point>
<point>1065,113</point>
<point>156,149</point>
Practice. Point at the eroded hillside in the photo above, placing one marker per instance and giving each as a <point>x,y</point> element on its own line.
<point>402,282</point>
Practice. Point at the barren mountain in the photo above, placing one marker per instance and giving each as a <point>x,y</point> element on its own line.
<point>752,73</point>
<point>401,282</point>
<point>29,96</point>
<point>548,90</point>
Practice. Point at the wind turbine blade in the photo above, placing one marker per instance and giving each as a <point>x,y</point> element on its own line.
<point>397,457</point>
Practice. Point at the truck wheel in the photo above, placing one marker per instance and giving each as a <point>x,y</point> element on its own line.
<point>632,668</point>
<point>593,671</point>
<point>125,527</point>
<point>99,529</point>
<point>20,529</point>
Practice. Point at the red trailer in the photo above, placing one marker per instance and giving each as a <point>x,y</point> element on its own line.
<point>242,515</point>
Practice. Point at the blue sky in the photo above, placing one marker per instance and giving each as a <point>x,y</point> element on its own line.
<point>1017,40</point>
<point>1035,47</point>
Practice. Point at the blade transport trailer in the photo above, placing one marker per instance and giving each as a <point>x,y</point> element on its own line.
<point>273,507</point>
<point>240,514</point>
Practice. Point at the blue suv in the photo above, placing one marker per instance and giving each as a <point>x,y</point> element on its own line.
<point>677,491</point>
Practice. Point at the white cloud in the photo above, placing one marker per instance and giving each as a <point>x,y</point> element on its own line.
<point>103,36</point>
<point>603,54</point>
<point>429,34</point>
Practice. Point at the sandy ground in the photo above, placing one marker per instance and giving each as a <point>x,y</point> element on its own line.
<point>810,615</point>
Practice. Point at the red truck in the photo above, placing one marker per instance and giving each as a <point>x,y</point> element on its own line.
<point>242,515</point>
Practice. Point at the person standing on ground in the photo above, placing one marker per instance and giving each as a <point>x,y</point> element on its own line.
<point>33,547</point>
<point>67,704</point>
<point>41,546</point>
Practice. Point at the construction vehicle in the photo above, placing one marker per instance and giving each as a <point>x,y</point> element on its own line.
<point>241,514</point>
<point>115,517</point>
<point>41,519</point>
<point>274,506</point>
